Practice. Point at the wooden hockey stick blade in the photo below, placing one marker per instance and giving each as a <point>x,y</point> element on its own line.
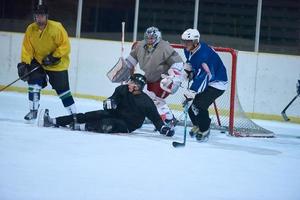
<point>178,144</point>
<point>284,116</point>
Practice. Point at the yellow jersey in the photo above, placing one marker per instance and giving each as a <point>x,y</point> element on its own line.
<point>38,44</point>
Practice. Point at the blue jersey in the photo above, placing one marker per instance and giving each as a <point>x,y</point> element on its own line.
<point>208,69</point>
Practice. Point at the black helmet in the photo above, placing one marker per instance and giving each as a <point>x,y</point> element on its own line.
<point>139,79</point>
<point>41,9</point>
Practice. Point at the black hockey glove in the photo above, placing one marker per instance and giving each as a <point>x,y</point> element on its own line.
<point>298,87</point>
<point>50,60</point>
<point>34,63</point>
<point>109,104</point>
<point>166,130</point>
<point>23,69</point>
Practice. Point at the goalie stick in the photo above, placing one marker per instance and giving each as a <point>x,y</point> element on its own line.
<point>122,39</point>
<point>283,114</point>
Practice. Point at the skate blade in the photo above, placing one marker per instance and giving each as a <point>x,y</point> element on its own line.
<point>205,139</point>
<point>31,121</point>
<point>40,121</point>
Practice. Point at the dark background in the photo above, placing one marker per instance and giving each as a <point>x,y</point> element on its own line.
<point>228,23</point>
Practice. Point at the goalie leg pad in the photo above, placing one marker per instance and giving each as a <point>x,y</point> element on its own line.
<point>170,84</point>
<point>157,90</point>
<point>165,112</point>
<point>161,105</point>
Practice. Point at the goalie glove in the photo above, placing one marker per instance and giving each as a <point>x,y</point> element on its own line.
<point>121,71</point>
<point>171,82</point>
<point>109,104</point>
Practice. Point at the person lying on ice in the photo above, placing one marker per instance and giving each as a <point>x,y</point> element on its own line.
<point>124,112</point>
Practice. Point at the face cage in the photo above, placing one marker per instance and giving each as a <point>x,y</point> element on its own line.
<point>151,37</point>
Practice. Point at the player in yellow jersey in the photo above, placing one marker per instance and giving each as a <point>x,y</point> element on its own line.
<point>46,45</point>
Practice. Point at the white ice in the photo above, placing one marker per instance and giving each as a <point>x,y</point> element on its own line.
<point>51,163</point>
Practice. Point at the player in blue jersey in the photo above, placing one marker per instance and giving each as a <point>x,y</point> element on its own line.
<point>209,79</point>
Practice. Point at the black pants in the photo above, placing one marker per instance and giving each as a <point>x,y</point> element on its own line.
<point>198,111</point>
<point>96,121</point>
<point>59,80</point>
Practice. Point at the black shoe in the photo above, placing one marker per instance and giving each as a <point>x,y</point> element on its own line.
<point>31,115</point>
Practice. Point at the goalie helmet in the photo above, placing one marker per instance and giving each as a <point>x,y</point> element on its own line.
<point>152,33</point>
<point>191,34</point>
<point>138,79</point>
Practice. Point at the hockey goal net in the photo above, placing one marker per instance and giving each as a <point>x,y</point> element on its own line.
<point>226,112</point>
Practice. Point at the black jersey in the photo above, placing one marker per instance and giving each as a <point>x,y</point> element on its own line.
<point>134,108</point>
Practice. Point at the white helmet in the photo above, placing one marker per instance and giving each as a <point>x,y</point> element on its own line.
<point>191,34</point>
<point>152,32</point>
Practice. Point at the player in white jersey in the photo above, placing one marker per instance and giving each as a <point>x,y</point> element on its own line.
<point>163,68</point>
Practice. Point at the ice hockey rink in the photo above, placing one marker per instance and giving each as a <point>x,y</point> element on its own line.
<point>52,163</point>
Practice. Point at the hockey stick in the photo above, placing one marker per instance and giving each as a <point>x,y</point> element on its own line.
<point>284,116</point>
<point>20,78</point>
<point>185,111</point>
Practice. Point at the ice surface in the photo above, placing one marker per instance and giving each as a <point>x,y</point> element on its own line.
<point>51,163</point>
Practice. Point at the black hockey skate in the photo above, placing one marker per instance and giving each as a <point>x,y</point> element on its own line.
<point>171,122</point>
<point>32,115</point>
<point>194,131</point>
<point>46,119</point>
<point>74,125</point>
<point>107,128</point>
<point>202,136</point>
